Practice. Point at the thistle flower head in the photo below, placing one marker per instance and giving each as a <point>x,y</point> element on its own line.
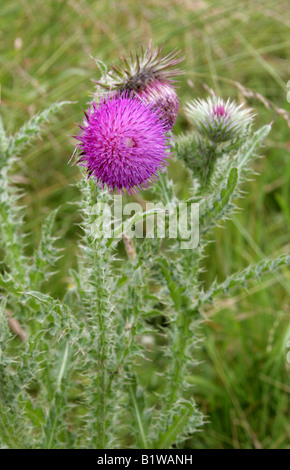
<point>148,75</point>
<point>162,96</point>
<point>218,120</point>
<point>123,142</point>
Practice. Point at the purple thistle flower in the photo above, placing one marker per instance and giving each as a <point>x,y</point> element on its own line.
<point>219,110</point>
<point>123,142</point>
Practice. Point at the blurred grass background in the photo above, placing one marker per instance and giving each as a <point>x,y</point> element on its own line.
<point>242,381</point>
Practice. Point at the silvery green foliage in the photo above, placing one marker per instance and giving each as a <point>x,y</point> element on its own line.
<point>77,381</point>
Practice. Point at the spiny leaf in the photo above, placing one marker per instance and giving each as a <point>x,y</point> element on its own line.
<point>47,254</point>
<point>220,204</point>
<point>253,271</point>
<point>7,282</point>
<point>184,420</point>
<point>32,128</point>
<point>248,151</point>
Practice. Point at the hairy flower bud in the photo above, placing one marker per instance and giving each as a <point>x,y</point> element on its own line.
<point>149,76</point>
<point>218,120</point>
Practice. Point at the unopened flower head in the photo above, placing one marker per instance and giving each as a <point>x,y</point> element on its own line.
<point>162,96</point>
<point>218,120</point>
<point>148,75</point>
<point>123,142</point>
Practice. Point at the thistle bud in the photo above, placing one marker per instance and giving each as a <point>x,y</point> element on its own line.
<point>217,120</point>
<point>149,76</point>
